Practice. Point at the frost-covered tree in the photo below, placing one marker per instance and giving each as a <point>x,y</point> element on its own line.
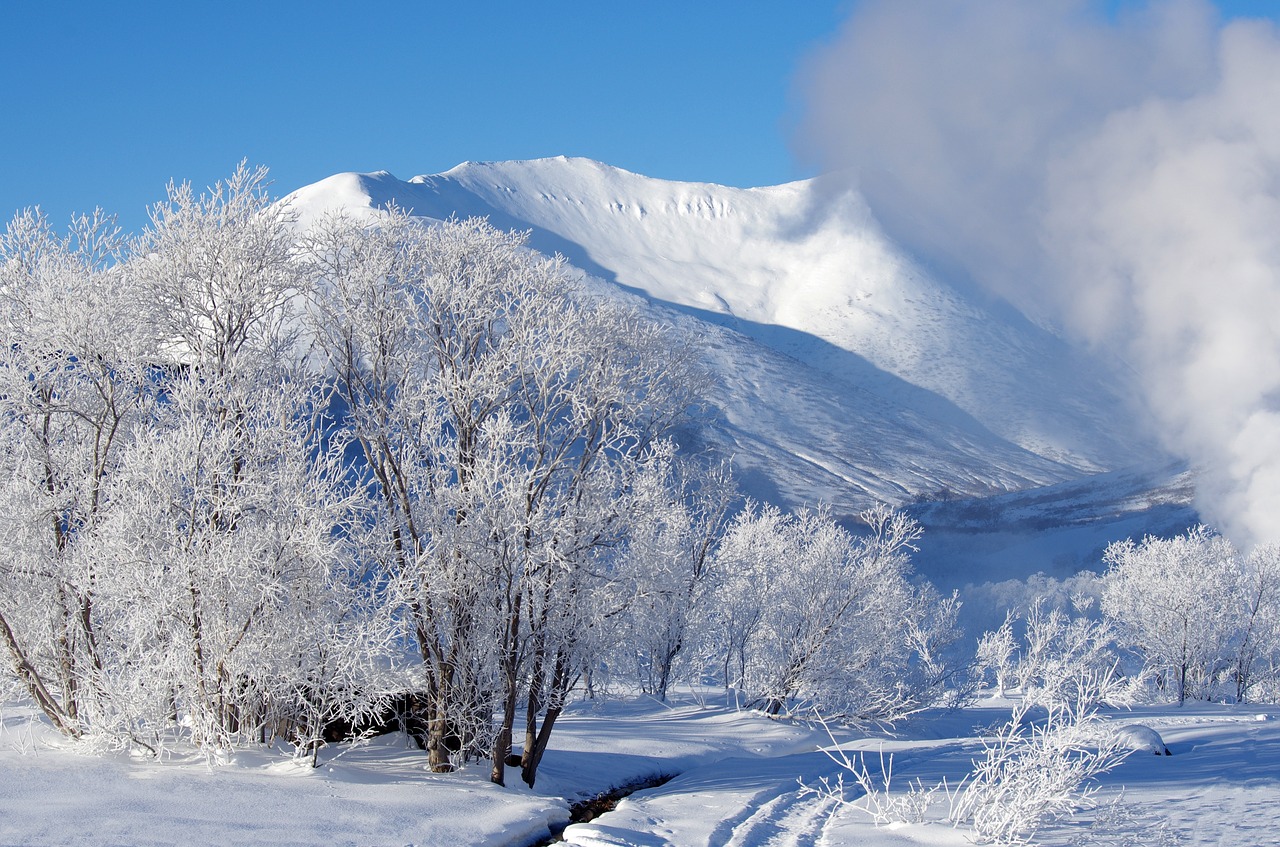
<point>73,389</point>
<point>997,653</point>
<point>668,564</point>
<point>232,585</point>
<point>813,614</point>
<point>1257,661</point>
<point>503,414</point>
<point>231,565</point>
<point>1178,600</point>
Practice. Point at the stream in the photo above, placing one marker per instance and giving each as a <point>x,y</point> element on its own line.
<point>593,807</point>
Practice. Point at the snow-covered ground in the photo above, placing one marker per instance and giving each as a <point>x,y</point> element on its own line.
<point>738,783</point>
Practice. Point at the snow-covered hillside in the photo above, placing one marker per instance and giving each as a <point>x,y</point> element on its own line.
<point>844,371</point>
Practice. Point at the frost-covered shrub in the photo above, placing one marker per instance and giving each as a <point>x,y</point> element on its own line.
<point>1059,661</point>
<point>1028,775</point>
<point>876,796</point>
<point>1033,773</point>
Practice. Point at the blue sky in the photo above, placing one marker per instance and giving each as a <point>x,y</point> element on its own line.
<point>106,102</point>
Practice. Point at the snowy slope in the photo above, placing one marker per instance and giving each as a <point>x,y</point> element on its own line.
<point>846,373</point>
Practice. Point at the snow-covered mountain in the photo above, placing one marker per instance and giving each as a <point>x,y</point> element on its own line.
<point>845,372</point>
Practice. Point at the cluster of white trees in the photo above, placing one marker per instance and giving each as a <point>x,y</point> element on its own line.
<point>1190,616</point>
<point>256,482</point>
<point>1183,617</point>
<point>1203,616</point>
<point>839,626</point>
<point>249,471</point>
<point>791,611</point>
<point>182,541</point>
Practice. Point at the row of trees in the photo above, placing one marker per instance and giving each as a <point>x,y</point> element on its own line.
<point>1188,616</point>
<point>249,471</point>
<point>182,534</point>
<point>790,610</point>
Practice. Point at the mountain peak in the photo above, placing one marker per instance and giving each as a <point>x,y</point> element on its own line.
<point>560,164</point>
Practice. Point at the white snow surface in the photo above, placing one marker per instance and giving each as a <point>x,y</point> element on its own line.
<point>844,372</point>
<point>739,785</point>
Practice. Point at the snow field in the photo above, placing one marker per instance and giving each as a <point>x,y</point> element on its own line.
<point>739,786</point>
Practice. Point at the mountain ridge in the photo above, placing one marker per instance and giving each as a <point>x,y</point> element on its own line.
<point>844,371</point>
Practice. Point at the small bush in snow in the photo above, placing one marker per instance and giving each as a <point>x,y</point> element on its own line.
<point>1059,662</point>
<point>876,797</point>
<point>1030,774</point>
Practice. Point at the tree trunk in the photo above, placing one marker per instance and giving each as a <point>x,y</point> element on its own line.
<point>537,680</point>
<point>502,743</point>
<point>536,745</point>
<point>35,685</point>
<point>439,738</point>
<point>665,663</point>
<point>511,695</point>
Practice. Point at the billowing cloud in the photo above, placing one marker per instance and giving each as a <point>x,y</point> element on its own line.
<point>1119,175</point>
